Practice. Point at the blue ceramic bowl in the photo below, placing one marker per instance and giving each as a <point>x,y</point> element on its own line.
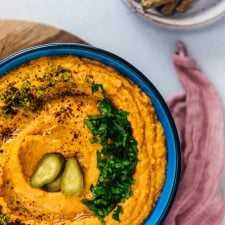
<point>173,151</point>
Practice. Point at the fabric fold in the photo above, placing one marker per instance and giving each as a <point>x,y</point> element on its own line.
<point>198,115</point>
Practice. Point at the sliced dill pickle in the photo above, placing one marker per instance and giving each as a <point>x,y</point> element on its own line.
<point>72,178</point>
<point>55,185</point>
<point>47,169</point>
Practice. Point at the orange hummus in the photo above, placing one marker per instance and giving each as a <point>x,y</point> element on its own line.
<point>55,124</point>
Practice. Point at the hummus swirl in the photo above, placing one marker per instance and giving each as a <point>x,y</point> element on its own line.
<point>57,126</point>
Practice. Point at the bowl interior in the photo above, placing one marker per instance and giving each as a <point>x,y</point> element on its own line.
<point>173,153</point>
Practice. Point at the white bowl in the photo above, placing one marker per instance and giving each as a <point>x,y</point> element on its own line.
<point>200,13</point>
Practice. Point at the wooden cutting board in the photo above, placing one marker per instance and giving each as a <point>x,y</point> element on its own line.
<point>16,35</point>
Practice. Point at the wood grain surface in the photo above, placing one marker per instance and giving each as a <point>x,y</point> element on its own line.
<point>16,35</point>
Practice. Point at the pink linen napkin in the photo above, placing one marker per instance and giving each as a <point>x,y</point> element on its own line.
<point>199,119</point>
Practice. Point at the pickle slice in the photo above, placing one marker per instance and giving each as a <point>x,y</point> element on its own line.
<point>72,178</point>
<point>47,170</point>
<point>55,185</point>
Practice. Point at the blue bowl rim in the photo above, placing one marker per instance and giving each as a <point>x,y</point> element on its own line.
<point>154,90</point>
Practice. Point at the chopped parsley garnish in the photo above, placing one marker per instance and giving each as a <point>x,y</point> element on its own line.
<point>116,161</point>
<point>117,212</point>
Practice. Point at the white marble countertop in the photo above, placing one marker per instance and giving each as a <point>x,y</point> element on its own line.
<point>112,26</point>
